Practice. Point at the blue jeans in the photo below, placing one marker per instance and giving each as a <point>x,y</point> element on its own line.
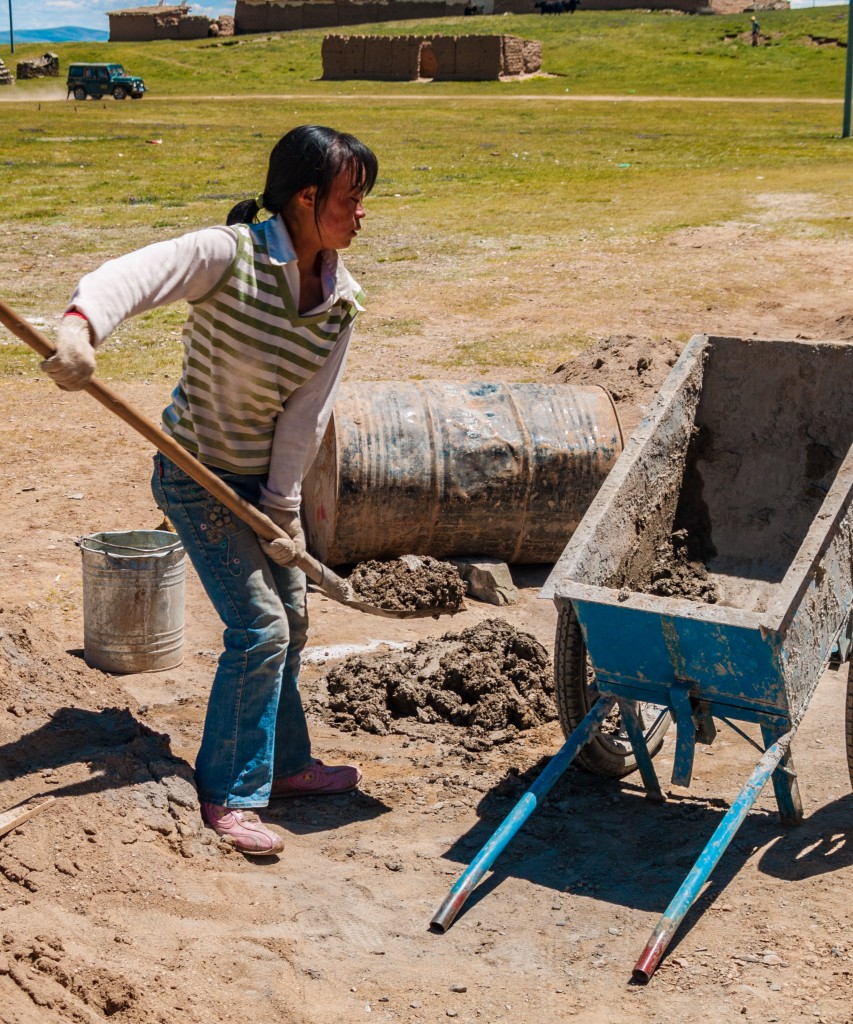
<point>255,727</point>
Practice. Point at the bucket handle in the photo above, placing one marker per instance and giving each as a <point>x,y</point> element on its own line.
<point>118,548</point>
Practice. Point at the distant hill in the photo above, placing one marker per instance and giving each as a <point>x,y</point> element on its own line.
<point>64,34</point>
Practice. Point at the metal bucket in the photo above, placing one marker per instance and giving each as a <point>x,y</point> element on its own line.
<point>442,469</point>
<point>133,600</point>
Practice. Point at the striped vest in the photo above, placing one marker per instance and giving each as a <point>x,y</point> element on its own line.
<point>246,350</point>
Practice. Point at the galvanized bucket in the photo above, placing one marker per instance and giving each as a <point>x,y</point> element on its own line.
<point>443,469</point>
<point>133,600</point>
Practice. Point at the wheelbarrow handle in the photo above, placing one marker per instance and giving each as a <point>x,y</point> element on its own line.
<point>331,584</point>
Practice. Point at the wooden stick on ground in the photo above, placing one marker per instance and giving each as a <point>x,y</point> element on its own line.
<point>18,815</point>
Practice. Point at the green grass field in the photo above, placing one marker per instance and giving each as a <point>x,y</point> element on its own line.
<point>589,52</point>
<point>466,168</point>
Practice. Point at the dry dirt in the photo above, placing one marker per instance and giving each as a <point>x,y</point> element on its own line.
<point>116,903</point>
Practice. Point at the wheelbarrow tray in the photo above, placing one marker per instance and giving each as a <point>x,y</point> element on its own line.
<point>748,448</point>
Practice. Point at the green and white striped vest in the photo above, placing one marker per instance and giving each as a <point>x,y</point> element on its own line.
<point>246,350</point>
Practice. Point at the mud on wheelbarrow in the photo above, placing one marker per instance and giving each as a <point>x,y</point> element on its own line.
<point>747,457</point>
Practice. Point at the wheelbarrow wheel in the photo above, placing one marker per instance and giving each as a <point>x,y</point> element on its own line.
<point>849,720</point>
<point>609,752</point>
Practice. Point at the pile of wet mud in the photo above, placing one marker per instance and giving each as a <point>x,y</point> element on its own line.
<point>677,572</point>
<point>408,584</point>
<point>631,368</point>
<point>489,681</point>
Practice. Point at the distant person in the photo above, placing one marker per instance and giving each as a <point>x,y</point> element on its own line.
<point>265,344</point>
<point>756,31</point>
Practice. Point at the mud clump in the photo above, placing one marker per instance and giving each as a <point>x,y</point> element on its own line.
<point>675,572</point>
<point>408,584</point>
<point>490,680</point>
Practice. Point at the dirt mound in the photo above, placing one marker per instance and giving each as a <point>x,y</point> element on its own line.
<point>631,368</point>
<point>489,680</point>
<point>410,583</point>
<point>839,328</point>
<point>36,676</point>
<point>124,823</point>
<point>676,572</point>
<point>71,724</point>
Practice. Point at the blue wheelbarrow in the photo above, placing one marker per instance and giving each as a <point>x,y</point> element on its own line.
<point>743,470</point>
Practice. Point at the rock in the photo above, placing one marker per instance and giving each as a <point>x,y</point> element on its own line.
<point>487,579</point>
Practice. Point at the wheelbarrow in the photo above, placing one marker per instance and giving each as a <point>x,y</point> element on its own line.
<point>747,458</point>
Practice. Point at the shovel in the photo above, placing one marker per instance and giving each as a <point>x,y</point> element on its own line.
<point>328,582</point>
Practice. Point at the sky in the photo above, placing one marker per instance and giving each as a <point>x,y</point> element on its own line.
<point>28,14</point>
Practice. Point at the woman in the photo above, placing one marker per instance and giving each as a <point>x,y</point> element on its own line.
<point>271,314</point>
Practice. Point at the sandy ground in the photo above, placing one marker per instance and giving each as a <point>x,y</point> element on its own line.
<point>115,902</point>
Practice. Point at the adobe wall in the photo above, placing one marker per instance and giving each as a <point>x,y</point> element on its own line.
<point>444,58</point>
<point>286,15</point>
<point>46,66</point>
<point>222,26</point>
<point>142,26</point>
<point>689,6</point>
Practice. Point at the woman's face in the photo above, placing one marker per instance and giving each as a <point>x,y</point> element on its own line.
<point>341,215</point>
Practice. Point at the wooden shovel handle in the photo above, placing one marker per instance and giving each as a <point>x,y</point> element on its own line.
<point>262,525</point>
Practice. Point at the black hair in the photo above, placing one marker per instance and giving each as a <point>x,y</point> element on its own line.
<point>310,156</point>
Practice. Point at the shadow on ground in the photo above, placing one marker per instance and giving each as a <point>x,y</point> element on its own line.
<point>605,840</point>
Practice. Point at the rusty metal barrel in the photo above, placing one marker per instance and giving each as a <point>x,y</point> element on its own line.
<point>436,468</point>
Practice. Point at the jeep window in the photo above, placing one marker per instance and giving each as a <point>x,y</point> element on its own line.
<point>88,73</point>
<point>117,69</point>
<point>103,74</point>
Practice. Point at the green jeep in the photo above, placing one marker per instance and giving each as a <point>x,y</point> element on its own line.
<point>98,80</point>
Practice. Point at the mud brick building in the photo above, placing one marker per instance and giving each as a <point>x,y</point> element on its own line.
<point>143,24</point>
<point>285,15</point>
<point>442,58</point>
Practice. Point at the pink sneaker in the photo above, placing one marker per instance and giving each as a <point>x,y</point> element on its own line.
<point>242,829</point>
<point>317,778</point>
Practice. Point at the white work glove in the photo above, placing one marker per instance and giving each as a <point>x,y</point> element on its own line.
<point>72,366</point>
<point>284,550</point>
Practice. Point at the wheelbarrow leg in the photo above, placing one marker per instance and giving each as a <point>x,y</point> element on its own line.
<point>641,751</point>
<point>785,783</point>
<point>466,882</point>
<point>685,736</point>
<point>709,858</point>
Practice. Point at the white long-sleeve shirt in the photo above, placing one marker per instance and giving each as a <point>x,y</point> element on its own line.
<point>190,268</point>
